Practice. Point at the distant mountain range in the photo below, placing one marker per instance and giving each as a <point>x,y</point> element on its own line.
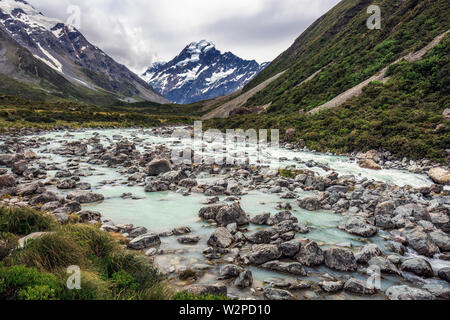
<point>44,57</point>
<point>201,72</point>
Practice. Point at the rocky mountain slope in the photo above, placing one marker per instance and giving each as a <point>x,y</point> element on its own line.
<point>63,49</point>
<point>201,72</point>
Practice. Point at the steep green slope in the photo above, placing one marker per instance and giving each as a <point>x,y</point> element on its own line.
<point>403,115</point>
<point>349,53</point>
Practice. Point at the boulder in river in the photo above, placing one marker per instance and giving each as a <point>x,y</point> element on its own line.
<point>358,226</point>
<point>19,167</point>
<point>384,265</point>
<point>359,287</point>
<point>444,274</point>
<point>294,268</point>
<point>290,248</point>
<point>189,239</point>
<point>418,266</point>
<point>261,219</point>
<point>225,214</point>
<point>158,166</point>
<point>263,236</point>
<point>145,241</point>
<point>230,271</point>
<point>340,259</point>
<point>310,255</point>
<point>369,164</point>
<point>408,293</point>
<point>440,175</point>
<point>44,198</point>
<point>310,203</point>
<point>368,252</point>
<point>244,280</point>
<point>421,242</point>
<point>85,197</point>
<point>262,253</point>
<point>7,181</point>
<point>278,294</point>
<point>221,238</point>
<point>331,286</point>
<point>441,239</point>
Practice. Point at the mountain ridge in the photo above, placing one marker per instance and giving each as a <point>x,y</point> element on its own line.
<point>201,72</point>
<point>64,49</point>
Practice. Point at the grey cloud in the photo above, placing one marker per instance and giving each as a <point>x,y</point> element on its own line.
<point>135,32</point>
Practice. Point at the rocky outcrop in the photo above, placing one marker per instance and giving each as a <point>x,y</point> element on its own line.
<point>408,293</point>
<point>418,266</point>
<point>440,175</point>
<point>294,268</point>
<point>358,226</point>
<point>310,255</point>
<point>359,287</point>
<point>225,214</point>
<point>7,181</point>
<point>145,241</point>
<point>221,238</point>
<point>158,166</point>
<point>340,259</point>
<point>263,253</point>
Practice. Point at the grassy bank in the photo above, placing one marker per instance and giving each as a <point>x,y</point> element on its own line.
<point>20,113</point>
<point>39,270</point>
<point>404,115</point>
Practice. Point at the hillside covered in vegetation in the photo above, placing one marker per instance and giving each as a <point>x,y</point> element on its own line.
<point>403,114</point>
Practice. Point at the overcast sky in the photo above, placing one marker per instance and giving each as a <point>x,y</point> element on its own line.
<point>137,32</point>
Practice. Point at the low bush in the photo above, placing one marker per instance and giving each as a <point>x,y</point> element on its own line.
<point>23,221</point>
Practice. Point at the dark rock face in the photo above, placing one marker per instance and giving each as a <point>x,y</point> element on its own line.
<point>263,253</point>
<point>286,267</point>
<point>408,293</point>
<point>421,242</point>
<point>7,181</point>
<point>201,72</point>
<point>277,294</point>
<point>310,255</point>
<point>359,227</point>
<point>225,214</point>
<point>244,280</point>
<point>359,287</point>
<point>419,267</point>
<point>199,289</point>
<point>444,274</point>
<point>340,259</point>
<point>221,238</point>
<point>145,241</point>
<point>158,166</point>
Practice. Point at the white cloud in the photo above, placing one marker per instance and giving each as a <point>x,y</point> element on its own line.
<point>134,32</point>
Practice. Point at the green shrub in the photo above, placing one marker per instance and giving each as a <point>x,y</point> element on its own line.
<point>49,253</point>
<point>23,221</point>
<point>20,282</point>
<point>98,243</point>
<point>8,242</point>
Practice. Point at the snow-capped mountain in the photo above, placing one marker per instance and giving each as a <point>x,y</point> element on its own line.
<point>201,72</point>
<point>65,50</point>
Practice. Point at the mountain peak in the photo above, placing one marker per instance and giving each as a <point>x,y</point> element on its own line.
<point>201,72</point>
<point>201,46</point>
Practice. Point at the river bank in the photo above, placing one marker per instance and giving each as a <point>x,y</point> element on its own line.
<point>314,230</point>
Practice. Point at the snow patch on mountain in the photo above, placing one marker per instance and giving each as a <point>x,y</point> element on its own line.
<point>201,72</point>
